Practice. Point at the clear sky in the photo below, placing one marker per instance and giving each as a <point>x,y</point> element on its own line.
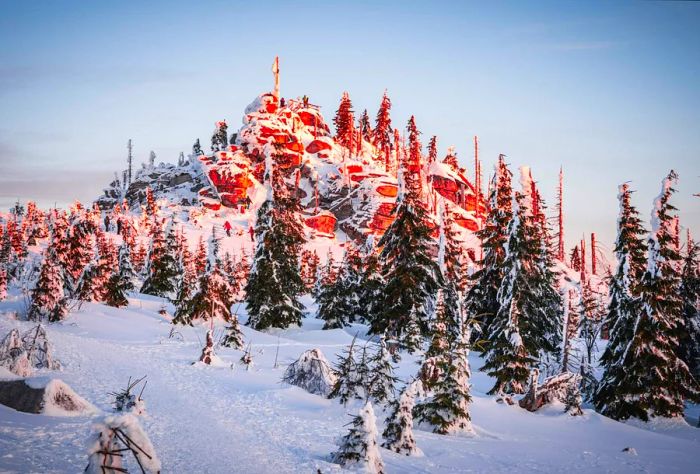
<point>609,90</point>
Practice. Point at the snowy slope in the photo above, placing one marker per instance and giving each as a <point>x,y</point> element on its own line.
<point>223,419</point>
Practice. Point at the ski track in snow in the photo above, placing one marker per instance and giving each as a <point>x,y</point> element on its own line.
<point>217,419</point>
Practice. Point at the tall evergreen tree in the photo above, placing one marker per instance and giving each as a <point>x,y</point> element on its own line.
<point>275,284</point>
<point>398,434</point>
<point>482,298</point>
<point>48,298</point>
<point>344,121</point>
<point>366,127</point>
<point>612,396</point>
<point>219,139</point>
<point>3,282</point>
<point>359,447</point>
<point>527,325</point>
<point>690,296</point>
<point>121,282</point>
<point>161,270</point>
<point>382,127</point>
<point>411,274</point>
<point>381,383</point>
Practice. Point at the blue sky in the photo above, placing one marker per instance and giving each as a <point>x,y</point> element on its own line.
<point>609,90</point>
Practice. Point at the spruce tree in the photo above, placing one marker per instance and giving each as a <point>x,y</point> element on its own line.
<point>435,356</point>
<point>432,149</point>
<point>411,274</point>
<point>366,127</point>
<point>381,381</point>
<point>161,270</point>
<point>382,127</point>
<point>447,410</point>
<point>371,283</point>
<point>219,139</point>
<point>575,259</point>
<point>274,284</point>
<point>482,298</point>
<point>213,298</point>
<point>655,348</point>
<point>348,384</point>
<point>398,433</point>
<point>359,447</point>
<point>690,296</point>
<point>612,395</point>
<point>526,326</point>
<point>48,298</point>
<point>121,282</point>
<point>344,121</point>
<point>3,282</point>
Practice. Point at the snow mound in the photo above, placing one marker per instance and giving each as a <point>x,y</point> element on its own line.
<point>46,396</point>
<point>312,372</point>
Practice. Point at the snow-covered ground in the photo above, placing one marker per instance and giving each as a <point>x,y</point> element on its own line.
<point>225,419</point>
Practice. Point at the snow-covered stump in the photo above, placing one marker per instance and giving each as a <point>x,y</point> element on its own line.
<point>358,448</point>
<point>312,372</point>
<point>115,437</point>
<point>50,397</point>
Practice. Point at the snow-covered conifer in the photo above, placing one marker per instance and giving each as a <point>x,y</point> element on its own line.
<point>344,121</point>
<point>48,299</point>
<point>348,385</point>
<point>219,139</point>
<point>411,274</point>
<point>382,127</point>
<point>398,433</point>
<point>359,447</point>
<point>690,295</point>
<point>121,282</point>
<point>447,410</point>
<point>482,299</point>
<point>366,127</point>
<point>3,283</point>
<point>382,382</point>
<point>527,325</point>
<point>312,372</point>
<point>161,270</point>
<point>274,284</point>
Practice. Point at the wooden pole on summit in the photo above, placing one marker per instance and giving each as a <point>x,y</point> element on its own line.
<point>276,72</point>
<point>560,217</point>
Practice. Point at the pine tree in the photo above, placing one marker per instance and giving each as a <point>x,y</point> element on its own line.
<point>690,295</point>
<point>527,325</point>
<point>482,299</point>
<point>381,375</point>
<point>151,206</point>
<point>121,282</point>
<point>275,284</point>
<point>213,298</point>
<point>348,384</point>
<point>200,257</point>
<point>611,397</point>
<point>398,434</point>
<point>432,150</point>
<point>338,301</point>
<point>366,127</point>
<point>161,271</point>
<point>93,283</point>
<point>3,282</point>
<point>372,283</point>
<point>48,299</point>
<point>448,408</point>
<point>382,127</point>
<point>412,276</point>
<point>344,122</point>
<point>575,259</point>
<point>359,447</point>
<point>434,358</point>
<point>655,347</point>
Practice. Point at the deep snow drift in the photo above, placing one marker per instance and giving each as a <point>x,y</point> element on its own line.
<point>229,419</point>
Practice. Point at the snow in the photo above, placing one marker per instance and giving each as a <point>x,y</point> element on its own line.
<point>224,419</point>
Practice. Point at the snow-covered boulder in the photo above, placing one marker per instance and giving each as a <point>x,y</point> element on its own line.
<point>312,372</point>
<point>43,395</point>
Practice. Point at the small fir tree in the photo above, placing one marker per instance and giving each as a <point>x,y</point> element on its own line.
<point>121,281</point>
<point>690,296</point>
<point>161,271</point>
<point>382,381</point>
<point>344,122</point>
<point>398,434</point>
<point>359,447</point>
<point>48,298</point>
